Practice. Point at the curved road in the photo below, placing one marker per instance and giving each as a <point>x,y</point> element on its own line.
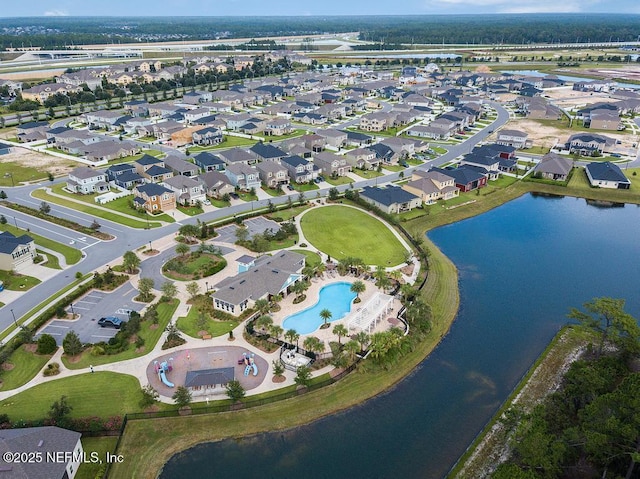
<point>99,253</point>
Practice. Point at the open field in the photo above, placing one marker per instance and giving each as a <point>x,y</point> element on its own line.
<point>28,166</point>
<point>25,366</point>
<point>326,229</point>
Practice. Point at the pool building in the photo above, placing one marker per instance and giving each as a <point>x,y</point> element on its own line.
<point>265,277</point>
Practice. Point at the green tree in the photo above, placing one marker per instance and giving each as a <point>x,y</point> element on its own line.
<point>130,261</point>
<point>276,331</point>
<point>60,410</point>
<point>363,339</point>
<point>149,396</point>
<point>292,336</point>
<point>262,305</point>
<point>45,208</point>
<point>71,344</point>
<point>182,397</point>
<point>235,391</point>
<point>301,199</point>
<point>352,347</point>
<point>3,220</point>
<point>190,232</point>
<point>145,285</point>
<point>606,316</point>
<point>333,193</point>
<point>3,195</point>
<point>278,367</point>
<point>326,315</point>
<point>264,322</point>
<point>358,287</point>
<point>303,376</point>
<point>242,234</point>
<point>193,290</point>
<point>182,249</point>
<point>46,344</point>
<point>313,344</point>
<point>298,288</point>
<point>340,330</point>
<point>169,290</point>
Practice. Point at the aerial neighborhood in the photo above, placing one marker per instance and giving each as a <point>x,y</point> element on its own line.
<point>252,223</point>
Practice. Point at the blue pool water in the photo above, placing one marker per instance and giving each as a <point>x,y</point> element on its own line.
<point>335,297</point>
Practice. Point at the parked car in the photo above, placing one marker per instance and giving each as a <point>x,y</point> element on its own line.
<point>110,322</point>
<point>290,188</point>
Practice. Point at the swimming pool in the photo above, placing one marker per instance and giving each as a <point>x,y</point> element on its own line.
<point>336,297</point>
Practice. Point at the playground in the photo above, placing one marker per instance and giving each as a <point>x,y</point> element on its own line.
<point>206,370</point>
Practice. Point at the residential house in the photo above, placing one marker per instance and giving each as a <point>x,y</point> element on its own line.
<point>215,184</point>
<point>553,167</point>
<point>392,199</point>
<point>604,119</point>
<point>207,136</point>
<point>432,186</point>
<point>490,163</point>
<point>607,175</point>
<point>154,198</point>
<point>272,174</point>
<point>589,144</point>
<point>86,180</point>
<point>152,168</point>
<point>16,252</point>
<point>314,142</point>
<point>237,156</point>
<point>310,118</point>
<point>376,121</point>
<point>355,138</point>
<point>267,152</point>
<point>60,449</point>
<point>334,138</point>
<point>180,166</point>
<point>208,162</point>
<point>515,138</point>
<point>363,158</point>
<point>124,175</point>
<point>331,164</point>
<point>32,131</point>
<point>243,176</point>
<point>300,170</point>
<point>107,150</point>
<point>384,153</point>
<point>40,93</point>
<point>277,127</point>
<point>188,191</point>
<point>467,178</point>
<point>269,276</point>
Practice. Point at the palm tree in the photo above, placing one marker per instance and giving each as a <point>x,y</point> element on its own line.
<point>340,330</point>
<point>358,287</point>
<point>313,344</point>
<point>408,291</point>
<point>352,348</point>
<point>309,271</point>
<point>262,305</point>
<point>320,269</point>
<point>264,322</point>
<point>363,339</point>
<point>298,288</point>
<point>276,331</point>
<point>292,335</point>
<point>396,275</point>
<point>326,315</point>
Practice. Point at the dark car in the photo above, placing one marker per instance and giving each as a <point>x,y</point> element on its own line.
<point>290,188</point>
<point>110,322</point>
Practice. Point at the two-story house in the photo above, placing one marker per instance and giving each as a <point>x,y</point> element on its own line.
<point>154,198</point>
<point>208,162</point>
<point>215,184</point>
<point>180,167</point>
<point>300,170</point>
<point>432,186</point>
<point>272,174</point>
<point>86,180</point>
<point>243,176</point>
<point>331,164</point>
<point>152,169</point>
<point>188,191</point>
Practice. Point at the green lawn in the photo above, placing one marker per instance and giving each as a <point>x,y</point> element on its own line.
<point>192,266</point>
<point>52,261</point>
<point>20,173</point>
<point>71,255</point>
<point>188,325</point>
<point>190,210</point>
<point>247,197</point>
<point>17,282</point>
<point>132,158</point>
<point>26,366</point>
<point>296,133</point>
<point>340,180</point>
<point>305,186</point>
<point>99,445</point>
<point>220,203</point>
<point>287,214</point>
<point>90,209</point>
<point>342,231</point>
<point>151,334</point>
<point>394,168</point>
<point>273,191</point>
<point>367,174</point>
<point>313,259</point>
<point>229,142</point>
<point>100,394</point>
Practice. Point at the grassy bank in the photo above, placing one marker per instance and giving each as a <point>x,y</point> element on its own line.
<point>542,377</point>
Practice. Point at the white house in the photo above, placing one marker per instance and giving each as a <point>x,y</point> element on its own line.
<point>86,180</point>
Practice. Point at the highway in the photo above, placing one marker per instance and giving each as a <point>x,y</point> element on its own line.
<point>100,253</point>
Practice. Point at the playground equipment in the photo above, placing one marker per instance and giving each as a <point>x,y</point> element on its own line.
<point>249,364</point>
<point>162,369</point>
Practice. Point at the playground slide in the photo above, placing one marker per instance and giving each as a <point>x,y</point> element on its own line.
<point>164,379</point>
<point>255,369</point>
<point>246,370</point>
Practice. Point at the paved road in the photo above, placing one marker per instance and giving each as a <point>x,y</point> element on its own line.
<point>99,253</point>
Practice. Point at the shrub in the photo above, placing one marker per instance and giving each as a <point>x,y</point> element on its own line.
<point>52,369</point>
<point>97,350</point>
<point>46,344</point>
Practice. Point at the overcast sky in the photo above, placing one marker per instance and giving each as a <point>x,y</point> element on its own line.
<point>300,7</point>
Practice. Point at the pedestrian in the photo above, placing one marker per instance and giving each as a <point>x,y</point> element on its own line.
<point>91,367</point>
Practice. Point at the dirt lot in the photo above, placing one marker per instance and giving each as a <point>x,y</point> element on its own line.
<point>39,161</point>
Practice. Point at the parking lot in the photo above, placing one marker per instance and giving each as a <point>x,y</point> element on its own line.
<point>91,307</point>
<point>227,234</point>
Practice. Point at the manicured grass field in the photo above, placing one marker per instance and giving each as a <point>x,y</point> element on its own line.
<point>52,261</point>
<point>288,213</point>
<point>313,259</point>
<point>367,174</point>
<point>229,142</point>
<point>101,394</point>
<point>26,366</point>
<point>190,210</point>
<point>341,231</point>
<point>18,282</point>
<point>150,334</point>
<point>72,255</point>
<point>340,180</point>
<point>188,325</point>
<point>99,445</point>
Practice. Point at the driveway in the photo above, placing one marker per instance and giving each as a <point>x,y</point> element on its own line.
<point>91,307</point>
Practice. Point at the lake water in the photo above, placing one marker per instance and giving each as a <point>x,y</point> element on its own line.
<point>522,266</point>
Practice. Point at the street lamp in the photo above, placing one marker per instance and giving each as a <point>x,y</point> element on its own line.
<point>150,247</point>
<point>206,284</point>
<point>15,221</point>
<point>14,318</point>
<point>73,314</point>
